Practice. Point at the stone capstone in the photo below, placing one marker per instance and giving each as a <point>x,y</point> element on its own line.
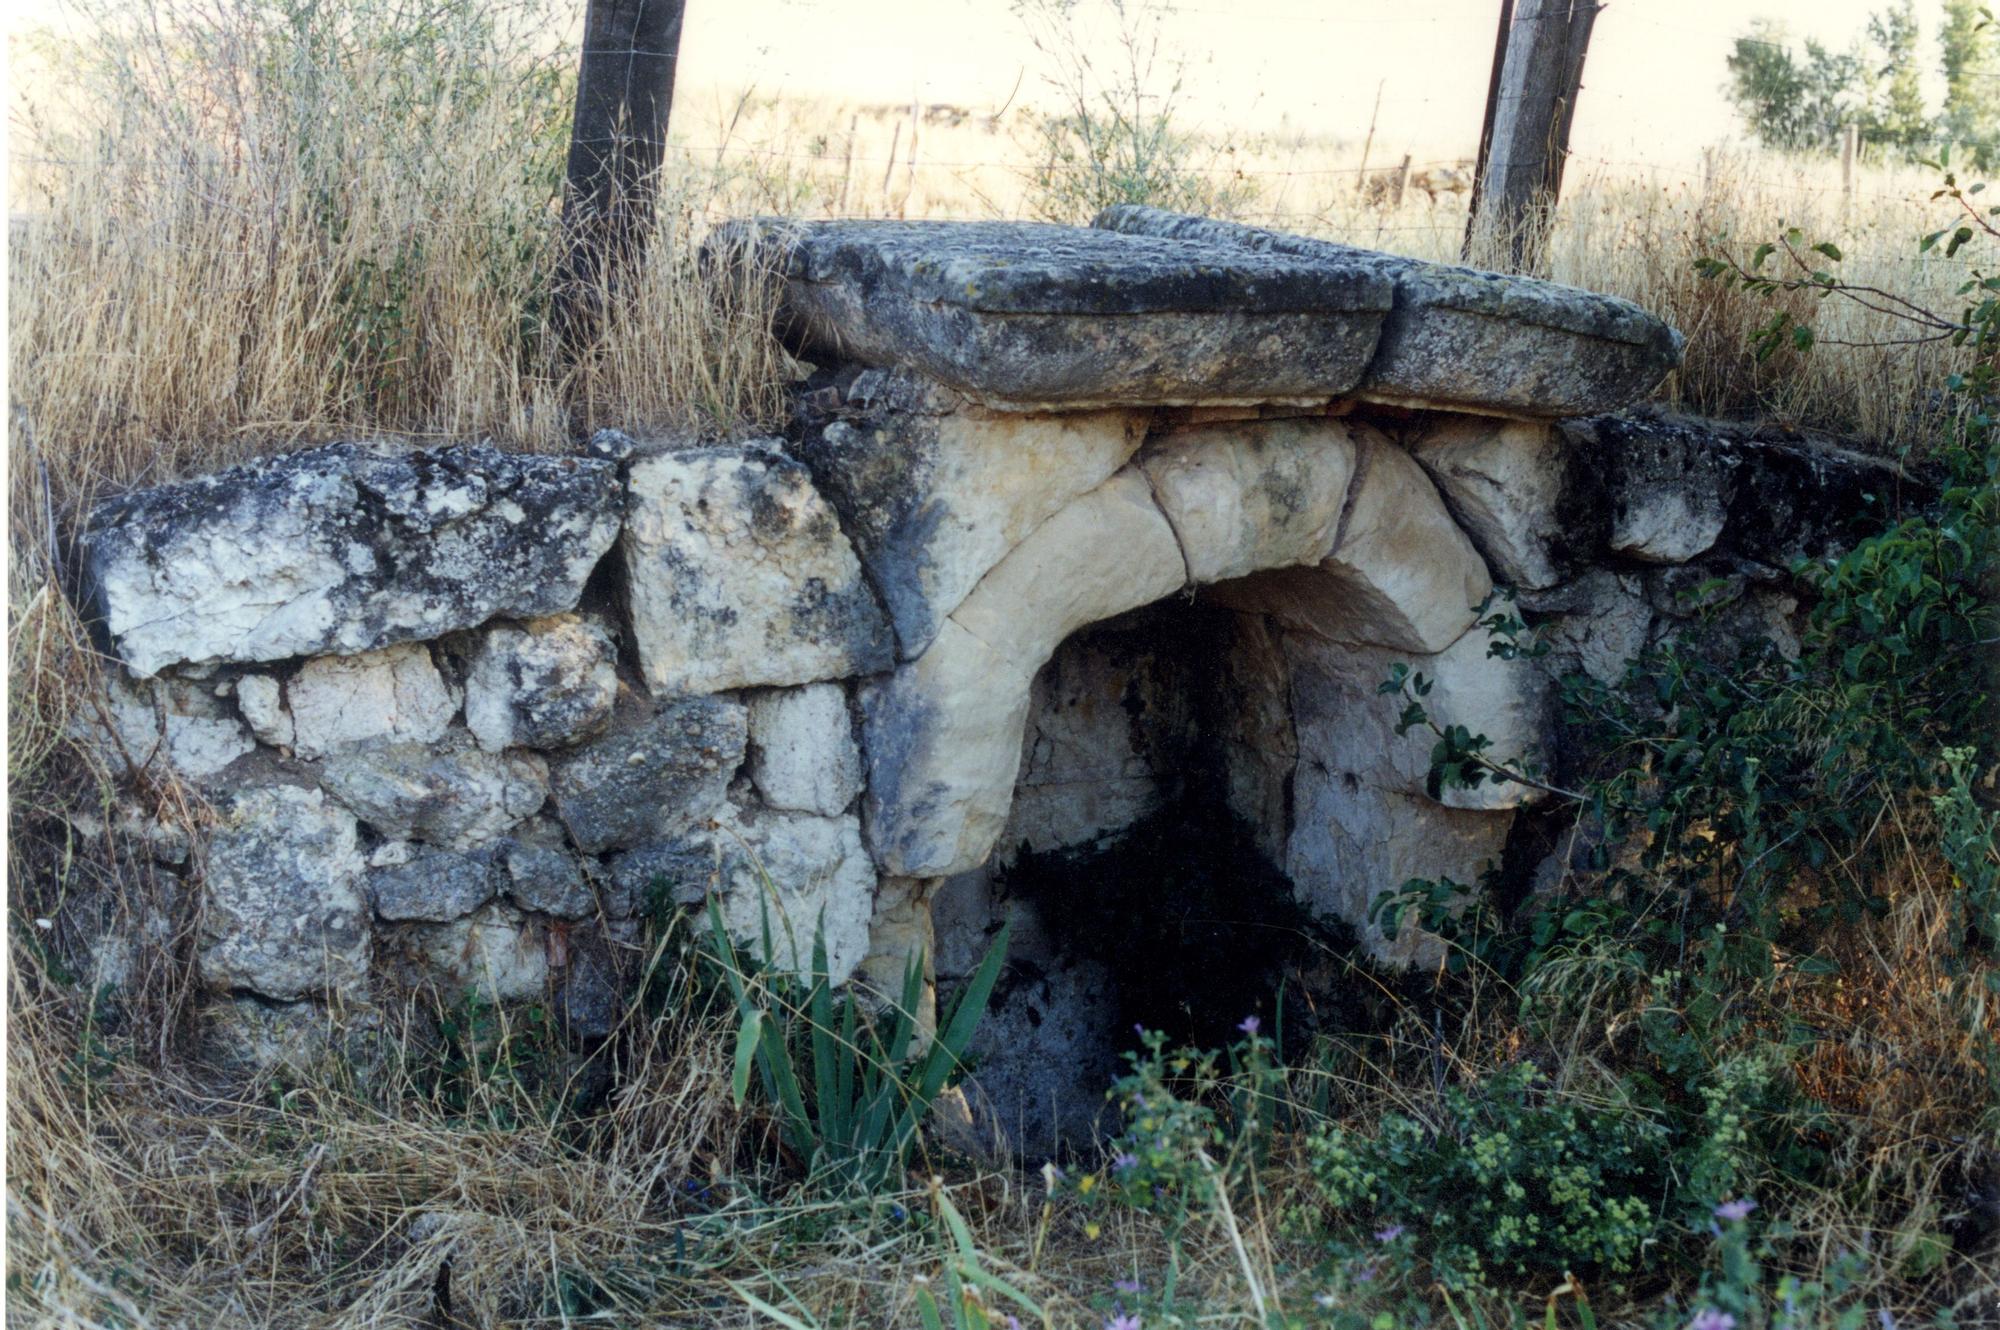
<point>1463,339</point>
<point>284,913</point>
<point>451,794</point>
<point>803,756</point>
<point>738,575</point>
<point>546,683</point>
<point>652,778</point>
<point>394,695</point>
<point>1024,314</point>
<point>934,491</point>
<point>343,549</point>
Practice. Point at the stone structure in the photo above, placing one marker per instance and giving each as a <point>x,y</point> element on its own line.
<point>467,717</point>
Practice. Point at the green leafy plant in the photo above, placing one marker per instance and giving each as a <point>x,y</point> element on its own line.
<point>848,1094</point>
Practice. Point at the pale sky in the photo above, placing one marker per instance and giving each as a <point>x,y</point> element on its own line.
<point>1652,83</point>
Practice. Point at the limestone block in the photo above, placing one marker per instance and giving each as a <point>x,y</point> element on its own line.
<point>1108,551</point>
<point>1466,340</point>
<point>739,576</point>
<point>1336,700</point>
<point>545,683</point>
<point>343,549</point>
<point>261,700</point>
<point>1509,485</point>
<point>495,954</point>
<point>1352,841</point>
<point>935,493</point>
<point>164,727</point>
<point>796,869</point>
<point>1253,495</point>
<point>651,777</point>
<point>394,695</point>
<point>802,752</point>
<point>451,794</point>
<point>1598,623</point>
<point>1401,574</point>
<point>943,743</point>
<point>546,879</point>
<point>431,885</point>
<point>1023,314</point>
<point>284,913</point>
<point>1254,731</point>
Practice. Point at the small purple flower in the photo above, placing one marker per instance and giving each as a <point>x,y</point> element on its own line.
<point>1124,1162</point>
<point>1888,1321</point>
<point>1138,1029</point>
<point>1708,1318</point>
<point>1123,1321</point>
<point>1735,1212</point>
<point>1250,1025</point>
<point>1389,1234</point>
<point>1366,1271</point>
<point>1013,1323</point>
<point>1128,1286</point>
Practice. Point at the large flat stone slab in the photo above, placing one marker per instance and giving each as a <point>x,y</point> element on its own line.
<point>342,549</point>
<point>1025,314</point>
<point>1463,339</point>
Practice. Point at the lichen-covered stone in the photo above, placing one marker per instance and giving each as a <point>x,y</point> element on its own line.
<point>651,778</point>
<point>394,695</point>
<point>546,879</point>
<point>738,576</point>
<point>541,684</point>
<point>1463,339</point>
<point>164,728</point>
<point>284,914</point>
<point>432,885</point>
<point>1598,623</point>
<point>1253,495</point>
<point>1023,313</point>
<point>934,491</point>
<point>1400,574</point>
<point>343,549</point>
<point>802,751</point>
<point>451,794</point>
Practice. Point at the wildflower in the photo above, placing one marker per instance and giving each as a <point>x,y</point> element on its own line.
<point>1735,1212</point>
<point>1249,1025</point>
<point>1888,1321</point>
<point>1124,1162</point>
<point>1325,1300</point>
<point>1089,1181</point>
<point>1123,1321</point>
<point>1366,1271</point>
<point>1128,1286</point>
<point>1708,1318</point>
<point>1091,1230</point>
<point>1013,1322</point>
<point>898,1213</point>
<point>1389,1234</point>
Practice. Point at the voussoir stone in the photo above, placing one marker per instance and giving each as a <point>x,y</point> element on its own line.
<point>1511,486</point>
<point>1030,314</point>
<point>343,549</point>
<point>284,912</point>
<point>1464,339</point>
<point>934,491</point>
<point>540,684</point>
<point>1400,574</point>
<point>651,778</point>
<point>1253,495</point>
<point>739,576</point>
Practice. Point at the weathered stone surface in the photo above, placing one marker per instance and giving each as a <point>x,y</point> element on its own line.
<point>802,751</point>
<point>1045,1050</point>
<point>739,576</point>
<point>451,794</point>
<point>652,777</point>
<point>394,695</point>
<point>1257,741</point>
<point>1669,495</point>
<point>943,736</point>
<point>432,885</point>
<point>1509,484</point>
<point>1598,623</point>
<point>495,953</point>
<point>284,913</point>
<point>796,869</point>
<point>164,727</point>
<point>1464,339</point>
<point>1020,313</point>
<point>934,492</point>
<point>677,872</point>
<point>1254,495</point>
<point>261,700</point>
<point>342,549</point>
<point>546,879</point>
<point>1401,574</point>
<point>541,684</point>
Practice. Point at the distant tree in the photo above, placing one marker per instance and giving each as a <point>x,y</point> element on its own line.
<point>1798,103</point>
<point>1895,114</point>
<point>1970,55</point>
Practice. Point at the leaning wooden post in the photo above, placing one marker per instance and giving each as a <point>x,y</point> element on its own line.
<point>624,92</point>
<point>1532,110</point>
<point>1402,180</point>
<point>1850,148</point>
